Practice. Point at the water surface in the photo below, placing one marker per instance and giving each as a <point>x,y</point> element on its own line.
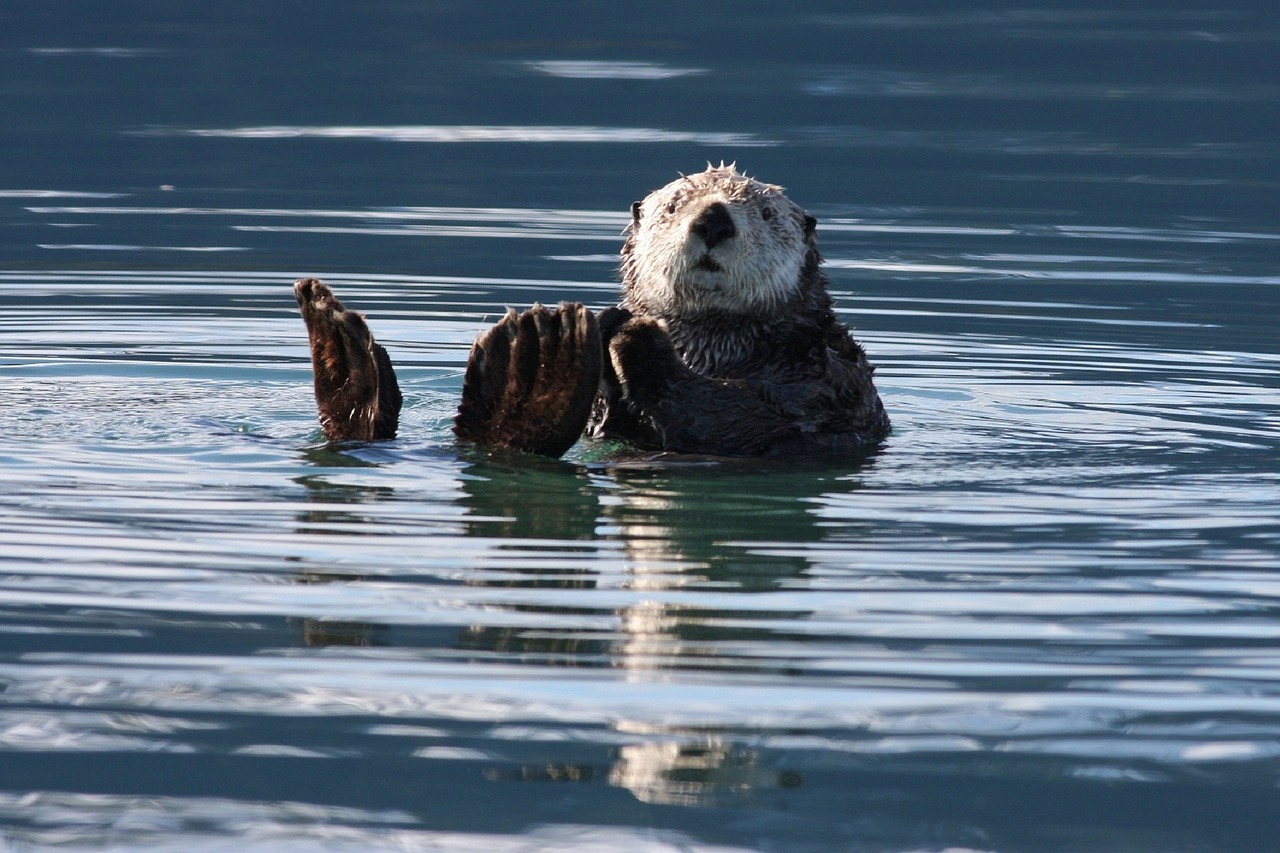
<point>1043,617</point>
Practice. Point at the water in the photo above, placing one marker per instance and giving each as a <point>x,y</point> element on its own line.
<point>1042,618</point>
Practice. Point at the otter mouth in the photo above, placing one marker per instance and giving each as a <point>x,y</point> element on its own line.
<point>708,264</point>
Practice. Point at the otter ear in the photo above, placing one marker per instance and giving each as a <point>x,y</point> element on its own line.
<point>635,212</point>
<point>810,224</point>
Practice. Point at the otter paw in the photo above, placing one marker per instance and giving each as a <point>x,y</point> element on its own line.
<point>531,380</point>
<point>644,360</point>
<point>356,390</point>
<point>611,320</point>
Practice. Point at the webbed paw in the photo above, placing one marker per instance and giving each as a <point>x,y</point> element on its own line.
<point>531,380</point>
<point>356,390</point>
<point>611,320</point>
<point>644,360</point>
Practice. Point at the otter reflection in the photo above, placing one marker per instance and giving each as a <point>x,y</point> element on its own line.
<point>653,528</point>
<point>652,532</point>
<point>670,769</point>
<point>702,771</point>
<point>335,510</point>
<point>678,527</point>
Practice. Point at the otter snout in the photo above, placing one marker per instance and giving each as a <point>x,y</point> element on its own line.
<point>714,225</point>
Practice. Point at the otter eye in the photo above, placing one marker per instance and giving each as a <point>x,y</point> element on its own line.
<point>766,214</point>
<point>671,207</point>
<point>635,211</point>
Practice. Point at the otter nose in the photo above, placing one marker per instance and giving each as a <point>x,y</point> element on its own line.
<point>714,225</point>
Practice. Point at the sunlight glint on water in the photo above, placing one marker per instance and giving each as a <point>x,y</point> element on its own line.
<point>1043,617</point>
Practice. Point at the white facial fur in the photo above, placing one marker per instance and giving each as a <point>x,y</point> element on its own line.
<point>672,270</point>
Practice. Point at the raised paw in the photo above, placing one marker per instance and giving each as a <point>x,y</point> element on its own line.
<point>611,320</point>
<point>356,390</point>
<point>531,380</point>
<point>644,360</point>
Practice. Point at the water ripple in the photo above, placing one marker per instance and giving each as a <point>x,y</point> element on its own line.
<point>472,133</point>
<point>602,70</point>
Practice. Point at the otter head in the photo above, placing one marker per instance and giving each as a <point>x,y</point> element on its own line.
<point>716,241</point>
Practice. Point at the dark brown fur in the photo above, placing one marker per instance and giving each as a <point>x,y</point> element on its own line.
<point>658,373</point>
<point>733,384</point>
<point>531,380</point>
<point>356,389</point>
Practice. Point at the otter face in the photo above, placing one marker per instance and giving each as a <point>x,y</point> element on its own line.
<point>715,241</point>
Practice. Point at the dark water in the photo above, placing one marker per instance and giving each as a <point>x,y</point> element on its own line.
<point>1045,617</point>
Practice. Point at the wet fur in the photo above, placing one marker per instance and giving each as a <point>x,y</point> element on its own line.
<point>725,343</point>
<point>531,380</point>
<point>727,367</point>
<point>356,389</point>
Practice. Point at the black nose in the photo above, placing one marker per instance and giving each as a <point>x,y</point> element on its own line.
<point>714,225</point>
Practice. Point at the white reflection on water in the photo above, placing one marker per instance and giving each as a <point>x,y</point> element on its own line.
<point>91,731</point>
<point>600,70</point>
<point>474,133</point>
<point>50,819</point>
<point>524,223</point>
<point>879,82</point>
<point>106,52</point>
<point>57,194</point>
<point>1102,712</point>
<point>1137,23</point>
<point>516,230</point>
<point>1058,274</point>
<point>116,247</point>
<point>547,218</point>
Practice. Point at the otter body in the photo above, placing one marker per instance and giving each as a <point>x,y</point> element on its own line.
<point>724,343</point>
<point>732,346</point>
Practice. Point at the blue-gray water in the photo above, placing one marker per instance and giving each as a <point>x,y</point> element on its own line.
<point>1045,617</point>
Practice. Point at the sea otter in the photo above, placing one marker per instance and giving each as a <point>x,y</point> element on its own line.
<point>724,343</point>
